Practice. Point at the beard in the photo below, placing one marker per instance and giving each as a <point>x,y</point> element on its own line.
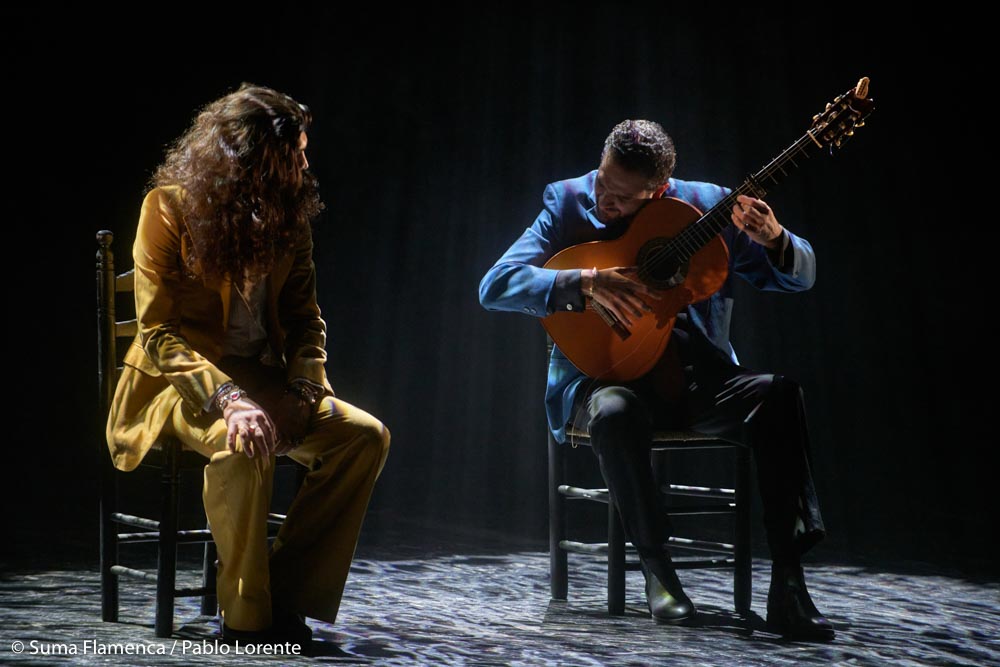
<point>612,220</point>
<point>622,219</point>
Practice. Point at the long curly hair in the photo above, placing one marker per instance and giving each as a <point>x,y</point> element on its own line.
<point>244,195</point>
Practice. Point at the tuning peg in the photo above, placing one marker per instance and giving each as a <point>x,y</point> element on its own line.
<point>815,118</point>
<point>828,105</point>
<point>860,123</point>
<point>850,133</point>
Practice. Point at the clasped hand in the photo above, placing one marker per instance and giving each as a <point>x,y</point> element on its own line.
<point>259,433</point>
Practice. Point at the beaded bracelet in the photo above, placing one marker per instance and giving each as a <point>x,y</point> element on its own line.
<point>226,394</point>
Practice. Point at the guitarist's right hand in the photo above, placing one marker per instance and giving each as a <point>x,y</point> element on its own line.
<point>619,291</point>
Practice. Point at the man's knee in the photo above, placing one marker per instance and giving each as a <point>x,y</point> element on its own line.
<point>380,438</point>
<point>361,431</point>
<point>616,410</point>
<point>373,433</point>
<point>373,443</point>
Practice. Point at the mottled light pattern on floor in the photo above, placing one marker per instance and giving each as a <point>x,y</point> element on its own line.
<point>495,610</point>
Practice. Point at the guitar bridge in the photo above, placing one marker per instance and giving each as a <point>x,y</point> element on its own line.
<point>611,320</point>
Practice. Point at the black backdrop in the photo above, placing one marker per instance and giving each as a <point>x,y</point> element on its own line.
<point>436,132</point>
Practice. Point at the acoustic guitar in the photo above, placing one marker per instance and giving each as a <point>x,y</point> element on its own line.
<point>679,252</point>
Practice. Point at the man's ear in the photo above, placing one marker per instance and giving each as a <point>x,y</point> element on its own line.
<point>660,190</point>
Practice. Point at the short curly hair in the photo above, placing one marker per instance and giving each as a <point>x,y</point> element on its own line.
<point>642,146</point>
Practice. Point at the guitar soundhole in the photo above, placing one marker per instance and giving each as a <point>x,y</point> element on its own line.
<point>660,265</point>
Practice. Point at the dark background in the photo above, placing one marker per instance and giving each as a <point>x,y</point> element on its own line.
<point>435,134</point>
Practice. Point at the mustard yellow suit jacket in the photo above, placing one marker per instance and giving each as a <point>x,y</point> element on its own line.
<point>182,322</point>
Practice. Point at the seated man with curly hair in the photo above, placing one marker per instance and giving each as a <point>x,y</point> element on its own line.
<point>229,358</point>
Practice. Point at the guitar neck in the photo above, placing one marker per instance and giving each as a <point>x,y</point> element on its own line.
<point>710,225</point>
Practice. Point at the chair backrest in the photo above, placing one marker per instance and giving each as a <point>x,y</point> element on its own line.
<point>110,331</point>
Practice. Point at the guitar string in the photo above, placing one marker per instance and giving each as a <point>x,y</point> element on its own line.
<point>696,235</point>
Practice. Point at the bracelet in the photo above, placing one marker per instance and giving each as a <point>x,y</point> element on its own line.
<point>593,283</point>
<point>226,394</point>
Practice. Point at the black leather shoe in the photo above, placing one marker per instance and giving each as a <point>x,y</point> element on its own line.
<point>291,627</point>
<point>790,611</point>
<point>667,604</point>
<point>286,627</point>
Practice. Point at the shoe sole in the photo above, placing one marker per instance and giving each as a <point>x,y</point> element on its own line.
<point>680,620</point>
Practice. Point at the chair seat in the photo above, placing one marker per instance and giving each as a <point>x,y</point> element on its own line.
<point>672,438</point>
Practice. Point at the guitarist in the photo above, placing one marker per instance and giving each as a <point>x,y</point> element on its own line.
<point>697,384</point>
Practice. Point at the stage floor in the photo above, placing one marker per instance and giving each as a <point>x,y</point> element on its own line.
<point>494,609</point>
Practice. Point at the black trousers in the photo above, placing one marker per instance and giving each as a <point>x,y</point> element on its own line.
<point>716,397</point>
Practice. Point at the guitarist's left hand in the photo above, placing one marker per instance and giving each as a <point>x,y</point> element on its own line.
<point>757,219</point>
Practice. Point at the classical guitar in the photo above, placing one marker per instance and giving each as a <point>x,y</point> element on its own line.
<point>679,252</point>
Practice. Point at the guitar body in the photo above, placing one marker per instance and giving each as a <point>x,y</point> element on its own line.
<point>604,352</point>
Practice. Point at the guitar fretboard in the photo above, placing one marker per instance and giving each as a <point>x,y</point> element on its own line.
<point>699,233</point>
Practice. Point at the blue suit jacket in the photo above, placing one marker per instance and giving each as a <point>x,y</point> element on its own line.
<point>517,282</point>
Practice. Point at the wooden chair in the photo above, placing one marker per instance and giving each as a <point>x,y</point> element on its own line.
<point>686,553</point>
<point>168,457</point>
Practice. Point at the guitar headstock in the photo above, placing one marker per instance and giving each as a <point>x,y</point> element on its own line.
<point>836,124</point>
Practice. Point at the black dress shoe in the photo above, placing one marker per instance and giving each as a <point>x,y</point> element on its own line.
<point>667,603</point>
<point>286,628</point>
<point>291,627</point>
<point>790,611</point>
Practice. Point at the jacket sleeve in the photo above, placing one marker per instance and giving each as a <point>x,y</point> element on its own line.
<point>791,269</point>
<point>299,315</point>
<point>518,283</point>
<point>157,257</point>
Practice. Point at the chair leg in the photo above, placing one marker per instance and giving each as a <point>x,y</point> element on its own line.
<point>109,542</point>
<point>616,562</point>
<point>743,575</point>
<point>558,567</point>
<point>166,569</point>
<point>210,601</point>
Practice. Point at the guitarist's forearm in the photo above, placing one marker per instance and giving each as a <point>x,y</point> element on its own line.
<point>520,288</point>
<point>567,292</point>
<point>781,254</point>
<point>795,270</point>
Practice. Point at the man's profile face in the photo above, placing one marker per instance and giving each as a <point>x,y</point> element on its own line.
<point>301,162</point>
<point>620,193</point>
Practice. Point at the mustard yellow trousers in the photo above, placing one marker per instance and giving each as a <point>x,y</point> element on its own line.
<point>306,568</point>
